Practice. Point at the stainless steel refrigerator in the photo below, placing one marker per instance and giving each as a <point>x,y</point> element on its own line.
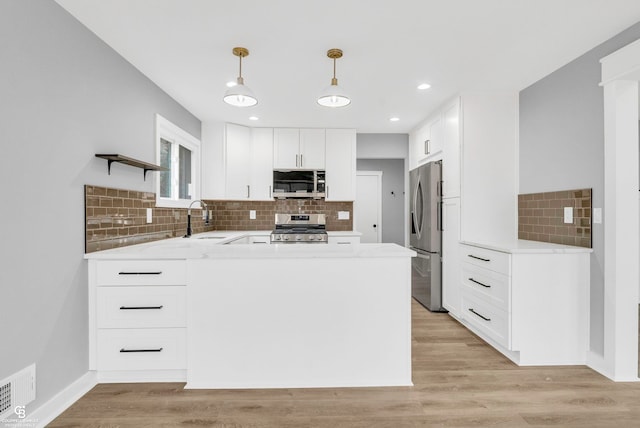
<point>426,234</point>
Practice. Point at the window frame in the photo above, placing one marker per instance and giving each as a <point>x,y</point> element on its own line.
<point>168,131</point>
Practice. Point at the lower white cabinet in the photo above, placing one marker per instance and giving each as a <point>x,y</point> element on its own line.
<point>343,239</point>
<point>142,349</point>
<point>451,299</point>
<point>137,319</point>
<point>529,300</point>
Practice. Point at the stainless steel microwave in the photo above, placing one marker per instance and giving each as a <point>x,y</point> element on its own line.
<point>298,184</point>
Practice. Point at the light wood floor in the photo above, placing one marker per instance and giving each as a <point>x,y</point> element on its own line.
<point>459,382</point>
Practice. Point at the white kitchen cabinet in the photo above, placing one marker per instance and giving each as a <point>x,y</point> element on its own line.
<point>340,165</point>
<point>451,150</point>
<point>137,320</point>
<point>426,141</point>
<point>261,176</point>
<point>451,299</point>
<point>237,161</point>
<point>248,167</point>
<point>489,178</point>
<point>529,300</point>
<point>344,238</point>
<point>299,148</point>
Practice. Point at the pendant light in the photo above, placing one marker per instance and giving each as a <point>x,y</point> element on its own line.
<point>240,95</point>
<point>333,95</point>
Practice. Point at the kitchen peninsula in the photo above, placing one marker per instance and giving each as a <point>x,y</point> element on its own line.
<point>251,316</point>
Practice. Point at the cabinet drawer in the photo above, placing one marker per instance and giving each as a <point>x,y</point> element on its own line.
<point>142,307</point>
<point>489,259</point>
<point>487,318</point>
<point>140,349</point>
<point>141,272</point>
<point>490,285</point>
<point>343,240</point>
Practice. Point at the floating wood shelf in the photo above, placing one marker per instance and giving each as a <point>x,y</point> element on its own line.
<point>132,162</point>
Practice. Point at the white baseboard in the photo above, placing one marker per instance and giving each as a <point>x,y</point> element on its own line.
<point>135,376</point>
<point>62,400</point>
<point>597,363</point>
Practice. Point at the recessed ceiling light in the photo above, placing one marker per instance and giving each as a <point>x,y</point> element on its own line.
<point>253,118</point>
<point>231,84</point>
<point>424,86</point>
<point>394,119</point>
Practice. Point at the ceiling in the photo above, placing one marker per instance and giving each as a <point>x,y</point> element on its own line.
<point>184,46</point>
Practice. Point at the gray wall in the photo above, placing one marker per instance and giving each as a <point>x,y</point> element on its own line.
<point>392,204</point>
<point>562,146</point>
<point>64,96</point>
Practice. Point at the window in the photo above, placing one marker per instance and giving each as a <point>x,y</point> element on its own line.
<point>179,152</point>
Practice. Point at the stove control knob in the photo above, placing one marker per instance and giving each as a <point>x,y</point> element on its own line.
<point>298,238</point>
<point>286,238</point>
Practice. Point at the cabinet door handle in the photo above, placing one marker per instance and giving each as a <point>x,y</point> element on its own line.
<point>479,283</point>
<point>477,314</point>
<point>248,191</point>
<point>141,273</point>
<point>478,258</point>
<point>270,192</point>
<point>130,308</point>
<point>123,350</point>
<point>296,160</point>
<point>427,147</point>
<point>301,163</point>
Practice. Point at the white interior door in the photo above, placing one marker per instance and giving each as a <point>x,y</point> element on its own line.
<point>368,206</point>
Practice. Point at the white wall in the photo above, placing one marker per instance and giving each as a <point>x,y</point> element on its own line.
<point>65,96</point>
<point>382,146</point>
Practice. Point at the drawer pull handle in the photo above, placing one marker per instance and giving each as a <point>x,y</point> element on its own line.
<point>481,316</point>
<point>479,258</point>
<point>479,283</point>
<point>129,308</point>
<point>141,350</point>
<point>140,273</point>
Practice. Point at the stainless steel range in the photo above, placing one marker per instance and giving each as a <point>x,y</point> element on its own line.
<point>299,229</point>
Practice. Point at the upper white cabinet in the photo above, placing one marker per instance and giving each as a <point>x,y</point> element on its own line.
<point>427,141</point>
<point>299,148</point>
<point>261,176</point>
<point>238,163</point>
<point>340,165</point>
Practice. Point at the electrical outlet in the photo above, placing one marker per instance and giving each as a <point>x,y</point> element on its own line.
<point>568,215</point>
<point>252,214</point>
<point>149,215</point>
<point>343,215</point>
<point>597,215</point>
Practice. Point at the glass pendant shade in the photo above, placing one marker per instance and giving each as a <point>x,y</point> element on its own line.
<point>240,95</point>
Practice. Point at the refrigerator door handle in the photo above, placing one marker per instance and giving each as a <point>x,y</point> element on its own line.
<point>440,226</point>
<point>413,223</point>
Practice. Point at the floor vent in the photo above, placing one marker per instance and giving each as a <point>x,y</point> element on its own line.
<point>18,389</point>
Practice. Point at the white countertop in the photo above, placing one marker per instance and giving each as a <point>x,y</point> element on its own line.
<point>208,245</point>
<point>523,246</point>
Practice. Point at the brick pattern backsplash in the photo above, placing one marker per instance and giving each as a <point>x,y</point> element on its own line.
<point>541,217</point>
<point>234,215</point>
<point>118,218</point>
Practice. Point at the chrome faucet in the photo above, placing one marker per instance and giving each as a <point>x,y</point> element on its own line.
<point>206,216</point>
